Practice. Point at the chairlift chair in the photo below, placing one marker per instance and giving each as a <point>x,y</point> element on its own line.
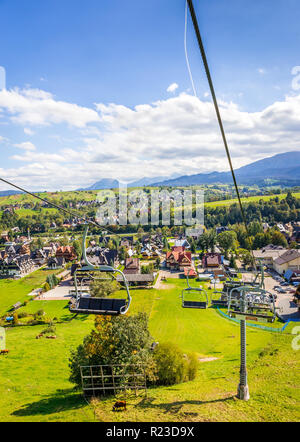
<point>250,308</point>
<point>98,306</point>
<point>200,304</point>
<point>222,301</point>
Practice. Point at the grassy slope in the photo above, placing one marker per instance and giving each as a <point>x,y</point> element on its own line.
<point>249,200</point>
<point>34,382</point>
<point>12,291</point>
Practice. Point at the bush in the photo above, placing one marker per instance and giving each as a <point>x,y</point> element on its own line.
<point>102,289</point>
<point>23,315</point>
<point>173,367</point>
<point>16,319</point>
<point>39,313</point>
<point>49,330</point>
<point>47,287</point>
<point>192,366</point>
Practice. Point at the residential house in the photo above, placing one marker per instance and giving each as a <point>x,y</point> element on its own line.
<point>67,252</point>
<point>182,242</point>
<point>132,266</point>
<point>212,260</point>
<point>39,256</point>
<point>191,273</point>
<point>290,260</point>
<point>178,260</point>
<point>54,262</point>
<point>12,267</point>
<point>267,255</point>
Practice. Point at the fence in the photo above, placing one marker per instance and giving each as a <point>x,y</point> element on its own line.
<point>113,378</point>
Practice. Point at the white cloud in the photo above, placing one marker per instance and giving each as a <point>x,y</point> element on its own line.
<point>261,71</point>
<point>27,145</point>
<point>28,131</point>
<point>172,88</point>
<point>178,135</point>
<point>37,107</point>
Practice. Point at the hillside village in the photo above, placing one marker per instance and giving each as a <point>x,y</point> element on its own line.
<point>145,256</point>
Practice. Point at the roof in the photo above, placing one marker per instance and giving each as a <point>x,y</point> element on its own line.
<point>288,256</point>
<point>180,256</point>
<point>132,263</point>
<point>178,249</point>
<point>190,272</point>
<point>181,243</point>
<point>137,277</point>
<point>213,259</point>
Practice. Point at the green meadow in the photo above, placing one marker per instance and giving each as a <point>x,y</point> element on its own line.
<point>34,382</point>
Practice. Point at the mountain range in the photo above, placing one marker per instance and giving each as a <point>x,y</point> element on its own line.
<point>283,168</point>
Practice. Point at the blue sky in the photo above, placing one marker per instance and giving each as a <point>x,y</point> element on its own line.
<point>100,59</point>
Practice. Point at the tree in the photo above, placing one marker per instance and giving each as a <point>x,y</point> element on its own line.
<point>157,263</point>
<point>226,240</point>
<point>278,239</point>
<point>212,239</point>
<point>77,248</point>
<point>115,340</point>
<point>103,288</point>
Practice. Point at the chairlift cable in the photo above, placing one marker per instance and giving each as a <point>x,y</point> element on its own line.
<point>212,90</point>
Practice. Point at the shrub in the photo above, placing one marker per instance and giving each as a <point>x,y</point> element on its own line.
<point>170,363</point>
<point>23,315</point>
<point>16,318</point>
<point>49,330</point>
<point>102,289</point>
<point>47,287</point>
<point>173,367</point>
<point>192,366</point>
<point>39,313</point>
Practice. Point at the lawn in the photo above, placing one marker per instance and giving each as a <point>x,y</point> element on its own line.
<point>34,382</point>
<point>12,291</point>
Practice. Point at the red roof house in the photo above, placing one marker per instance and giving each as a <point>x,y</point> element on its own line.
<point>178,259</point>
<point>66,252</point>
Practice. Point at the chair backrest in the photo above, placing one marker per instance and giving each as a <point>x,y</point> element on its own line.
<point>106,304</point>
<point>118,304</point>
<point>84,303</point>
<point>194,304</point>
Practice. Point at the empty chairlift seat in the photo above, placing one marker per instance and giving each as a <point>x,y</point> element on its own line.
<point>219,302</point>
<point>194,304</point>
<point>99,306</point>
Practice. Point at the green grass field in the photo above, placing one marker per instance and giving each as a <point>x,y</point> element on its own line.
<point>34,382</point>
<point>12,291</point>
<point>250,199</point>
